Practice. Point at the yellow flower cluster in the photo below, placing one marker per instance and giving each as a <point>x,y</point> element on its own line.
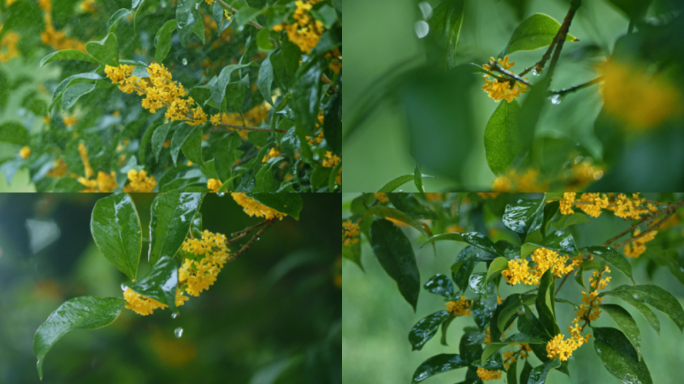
<point>512,181</point>
<point>25,152</point>
<point>144,305</point>
<point>455,229</point>
<point>272,153</point>
<point>103,183</point>
<point>214,185</point>
<point>305,31</point>
<point>254,208</point>
<point>382,197</point>
<point>593,203</point>
<point>460,307</point>
<point>510,356</point>
<point>350,232</point>
<point>88,6</point>
<point>252,118</point>
<point>520,272</point>
<point>589,309</point>
<point>69,120</point>
<point>139,182</point>
<point>584,173</point>
<point>500,89</point>
<point>566,203</point>
<point>59,168</point>
<point>638,246</point>
<point>486,374</point>
<point>558,347</point>
<point>160,91</point>
<point>56,39</point>
<point>331,161</point>
<point>8,46</point>
<point>199,275</point>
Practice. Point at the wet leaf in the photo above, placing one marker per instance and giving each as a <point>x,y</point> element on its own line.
<point>557,241</point>
<point>545,303</point>
<point>162,42</point>
<point>426,328</point>
<point>160,283</point>
<point>496,267</point>
<point>381,211</point>
<point>106,51</point>
<point>438,364</point>
<point>625,322</point>
<point>613,257</point>
<point>396,183</point>
<point>654,296</point>
<point>172,214</point>
<point>446,21</point>
<point>288,203</point>
<point>619,356</point>
<point>440,285</point>
<point>74,92</point>
<point>187,15</point>
<point>539,374</point>
<point>473,238</point>
<point>68,54</point>
<point>159,137</point>
<point>518,217</point>
<point>502,138</point>
<point>537,31</point>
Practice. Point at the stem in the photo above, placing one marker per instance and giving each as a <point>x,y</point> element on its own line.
<point>541,63</point>
<point>254,238</point>
<point>328,81</point>
<point>495,66</point>
<point>254,23</point>
<point>669,210</point>
<point>241,127</point>
<point>585,258</point>
<point>562,34</point>
<point>246,231</point>
<point>565,91</point>
<point>648,229</point>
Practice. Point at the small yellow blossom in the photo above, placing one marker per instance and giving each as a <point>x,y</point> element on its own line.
<point>140,304</point>
<point>455,229</point>
<point>199,275</point>
<point>513,181</point>
<point>460,307</point>
<point>214,185</point>
<point>500,88</point>
<point>70,120</point>
<point>25,152</point>
<point>59,168</point>
<point>638,246</point>
<point>254,208</point>
<point>139,182</point>
<point>566,203</point>
<point>350,233</point>
<point>273,153</point>
<point>487,374</point>
<point>382,197</point>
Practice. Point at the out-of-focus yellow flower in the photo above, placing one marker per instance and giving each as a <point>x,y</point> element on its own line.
<point>25,152</point>
<point>214,185</point>
<point>139,182</point>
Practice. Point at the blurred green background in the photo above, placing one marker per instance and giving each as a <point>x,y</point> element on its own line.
<point>273,316</point>
<point>377,320</point>
<point>383,36</point>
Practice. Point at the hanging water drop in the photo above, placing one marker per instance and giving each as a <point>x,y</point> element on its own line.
<point>178,332</point>
<point>556,99</point>
<point>185,61</point>
<point>422,28</point>
<point>535,72</point>
<point>123,287</point>
<point>425,9</point>
<point>174,315</point>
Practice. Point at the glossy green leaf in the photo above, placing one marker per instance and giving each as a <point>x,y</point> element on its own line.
<point>539,374</point>
<point>496,267</point>
<point>187,15</point>
<point>159,137</point>
<point>265,79</point>
<point>106,51</point>
<point>418,179</point>
<point>558,241</point>
<point>353,253</point>
<point>14,133</point>
<point>512,373</point>
<point>74,92</point>
<point>619,356</point>
<point>381,211</point>
<point>466,259</point>
<point>332,124</point>
<point>85,312</point>
<point>537,31</point>
<point>654,296</point>
<point>68,54</point>
<point>518,217</point>
<point>225,155</point>
<point>445,26</point>
<point>115,226</point>
<point>218,92</point>
<point>613,257</point>
<point>473,238</point>
<point>461,273</point>
<point>515,338</point>
<point>525,373</point>
<point>510,307</point>
<point>408,203</point>
<point>476,283</point>
<point>426,328</point>
<point>182,132</point>
<point>200,31</point>
<point>192,147</point>
<point>545,303</point>
<point>502,138</point>
<point>306,94</point>
<point>395,253</point>
<point>638,305</point>
<point>550,210</point>
<point>245,14</point>
<point>160,283</point>
<point>445,327</point>
<point>288,203</point>
<point>440,285</point>
<point>162,41</point>
<point>530,110</point>
<point>263,41</point>
<point>396,183</point>
<point>470,346</point>
<point>625,322</point>
<point>438,364</point>
<point>172,214</point>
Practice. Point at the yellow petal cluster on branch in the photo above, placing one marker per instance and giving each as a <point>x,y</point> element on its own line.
<point>252,118</point>
<point>305,31</point>
<point>254,208</point>
<point>513,181</point>
<point>214,185</point>
<point>331,161</point>
<point>499,88</point>
<point>637,247</point>
<point>350,233</point>
<point>54,38</point>
<point>199,275</point>
<point>487,374</point>
<point>25,152</point>
<point>273,153</point>
<point>563,349</point>
<point>520,272</point>
<point>593,203</point>
<point>139,182</point>
<point>382,197</point>
<point>59,168</point>
<point>144,305</point>
<point>460,307</point>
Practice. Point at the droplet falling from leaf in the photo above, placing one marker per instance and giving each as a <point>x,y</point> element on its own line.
<point>178,332</point>
<point>422,28</point>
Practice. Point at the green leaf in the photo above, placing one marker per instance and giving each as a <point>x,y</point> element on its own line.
<point>13,132</point>
<point>159,137</point>
<point>512,373</point>
<point>557,241</point>
<point>396,183</point>
<point>85,312</point>
<point>654,296</point>
<point>496,267</point>
<point>187,15</point>
<point>332,124</point>
<point>438,364</point>
<point>525,374</point>
<point>116,17</point>
<point>381,211</point>
<point>635,10</point>
<point>162,41</point>
<point>326,15</point>
<point>476,282</point>
<point>115,226</point>
<point>288,203</point>
<point>265,79</point>
<point>426,328</point>
<point>445,327</point>
<point>68,54</point>
<point>619,356</point>
<point>408,203</point>
<point>531,109</point>
<point>545,303</point>
<point>192,147</point>
<point>470,347</point>
<point>245,14</point>
<point>106,51</point>
<point>516,338</point>
<point>218,92</point>
<point>473,238</point>
<point>502,137</point>
<point>353,253</point>
<point>550,211</point>
<point>172,214</point>
<point>74,92</point>
<point>640,306</point>
<point>538,374</point>
<point>183,131</point>
<point>418,179</point>
<point>440,285</point>
<point>263,41</point>
<point>395,253</point>
<point>160,283</point>
<point>225,155</point>
<point>306,94</point>
<point>445,26</point>
<point>537,31</point>
<point>626,323</point>
<point>510,307</point>
<point>200,31</point>
<point>519,217</point>
<point>613,257</point>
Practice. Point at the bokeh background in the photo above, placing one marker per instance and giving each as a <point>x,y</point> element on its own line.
<point>376,318</point>
<point>272,317</point>
<point>384,40</point>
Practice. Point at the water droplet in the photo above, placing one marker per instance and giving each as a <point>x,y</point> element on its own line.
<point>556,99</point>
<point>535,72</point>
<point>174,315</point>
<point>258,238</point>
<point>123,287</point>
<point>425,9</point>
<point>178,332</point>
<point>185,61</point>
<point>422,28</point>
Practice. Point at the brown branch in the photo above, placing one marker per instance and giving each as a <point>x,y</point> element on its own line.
<point>254,238</point>
<point>541,63</point>
<point>496,67</point>
<point>254,23</point>
<point>648,229</point>
<point>585,258</point>
<point>245,232</point>
<point>647,219</point>
<point>563,33</point>
<point>565,91</point>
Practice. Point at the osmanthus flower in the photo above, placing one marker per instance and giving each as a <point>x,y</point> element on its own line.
<point>305,32</point>
<point>56,39</point>
<point>214,185</point>
<point>330,161</point>
<point>254,208</point>
<point>198,275</point>
<point>59,168</point>
<point>144,305</point>
<point>8,46</point>
<point>488,374</point>
<point>637,247</point>
<point>593,203</point>
<point>350,233</point>
<point>502,88</point>
<point>272,153</point>
<point>253,118</point>
<point>25,152</point>
<point>139,182</point>
<point>69,120</point>
<point>460,307</point>
<point>382,197</point>
<point>520,272</point>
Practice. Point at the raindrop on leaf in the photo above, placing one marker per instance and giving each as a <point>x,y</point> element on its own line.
<point>185,61</point>
<point>422,28</point>
<point>556,99</point>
